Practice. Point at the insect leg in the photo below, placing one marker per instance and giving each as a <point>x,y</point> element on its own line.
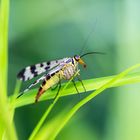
<point>32,85</point>
<point>58,88</point>
<point>81,82</point>
<point>55,87</point>
<point>75,86</point>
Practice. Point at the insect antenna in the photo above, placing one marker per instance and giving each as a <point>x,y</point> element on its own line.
<point>91,53</point>
<point>87,39</point>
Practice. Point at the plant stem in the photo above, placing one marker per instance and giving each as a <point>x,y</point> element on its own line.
<point>7,130</point>
<point>13,99</point>
<point>88,98</point>
<point>90,84</point>
<point>49,110</point>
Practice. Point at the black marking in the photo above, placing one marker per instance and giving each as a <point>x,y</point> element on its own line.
<point>19,95</point>
<point>33,69</point>
<point>77,57</point>
<point>47,67</point>
<point>52,74</point>
<point>48,77</point>
<point>35,74</point>
<point>33,84</point>
<point>40,88</point>
<point>23,78</point>
<point>41,65</point>
<point>57,71</point>
<point>72,61</point>
<point>21,74</point>
<point>48,63</point>
<point>43,83</point>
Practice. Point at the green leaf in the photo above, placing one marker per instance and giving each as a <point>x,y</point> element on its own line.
<point>90,84</point>
<point>36,129</point>
<point>7,130</point>
<point>52,129</point>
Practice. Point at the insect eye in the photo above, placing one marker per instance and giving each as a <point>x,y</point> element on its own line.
<point>77,57</point>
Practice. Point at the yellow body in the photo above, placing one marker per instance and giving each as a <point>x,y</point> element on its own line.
<point>66,72</point>
<point>53,80</point>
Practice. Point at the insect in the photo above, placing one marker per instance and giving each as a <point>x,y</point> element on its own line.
<point>54,73</point>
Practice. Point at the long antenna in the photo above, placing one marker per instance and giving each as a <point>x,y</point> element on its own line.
<point>87,39</point>
<point>91,53</point>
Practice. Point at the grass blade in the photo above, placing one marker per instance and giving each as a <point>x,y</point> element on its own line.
<point>7,131</point>
<point>90,84</point>
<point>49,110</point>
<point>62,122</point>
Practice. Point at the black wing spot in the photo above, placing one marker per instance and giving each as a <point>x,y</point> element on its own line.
<point>33,69</point>
<point>41,65</point>
<point>21,74</point>
<point>46,68</point>
<point>48,63</point>
<point>35,74</point>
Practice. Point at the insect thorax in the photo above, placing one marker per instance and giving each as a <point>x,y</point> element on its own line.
<point>69,70</point>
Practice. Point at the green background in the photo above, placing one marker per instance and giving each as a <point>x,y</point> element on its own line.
<point>52,29</point>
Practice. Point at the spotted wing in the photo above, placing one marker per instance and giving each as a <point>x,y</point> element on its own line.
<point>32,85</point>
<point>37,69</point>
<point>44,77</point>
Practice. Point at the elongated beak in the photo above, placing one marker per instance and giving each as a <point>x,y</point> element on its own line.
<point>82,62</point>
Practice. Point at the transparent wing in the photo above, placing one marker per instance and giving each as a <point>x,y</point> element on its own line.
<point>37,69</point>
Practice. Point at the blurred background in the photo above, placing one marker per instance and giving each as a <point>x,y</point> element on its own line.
<point>42,30</point>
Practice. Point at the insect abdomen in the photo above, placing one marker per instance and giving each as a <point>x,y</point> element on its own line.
<point>65,73</point>
<point>49,82</point>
